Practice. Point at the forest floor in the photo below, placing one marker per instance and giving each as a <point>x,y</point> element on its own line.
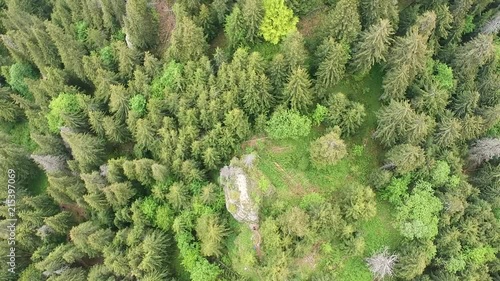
<point>286,165</point>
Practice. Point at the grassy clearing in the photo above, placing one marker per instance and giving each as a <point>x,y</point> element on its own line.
<point>286,164</point>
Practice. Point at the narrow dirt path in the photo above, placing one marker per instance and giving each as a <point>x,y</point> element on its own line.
<point>256,239</point>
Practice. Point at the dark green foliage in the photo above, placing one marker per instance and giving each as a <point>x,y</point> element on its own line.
<point>141,26</point>
<point>298,94</point>
<point>18,72</point>
<point>334,57</point>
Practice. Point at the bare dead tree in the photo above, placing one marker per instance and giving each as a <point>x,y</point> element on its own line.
<point>382,264</point>
<point>484,150</point>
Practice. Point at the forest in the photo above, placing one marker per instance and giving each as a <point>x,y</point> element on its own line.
<point>204,140</point>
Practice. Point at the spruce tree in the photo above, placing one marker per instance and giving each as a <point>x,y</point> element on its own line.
<point>187,41</point>
<point>334,57</point>
<point>140,25</point>
<point>406,158</point>
<point>373,46</point>
<point>253,14</point>
<point>234,28</point>
<point>70,50</point>
<point>406,60</point>
<point>343,22</point>
<point>298,93</point>
<point>86,149</point>
<point>375,10</point>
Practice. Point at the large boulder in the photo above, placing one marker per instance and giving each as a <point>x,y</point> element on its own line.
<point>239,190</point>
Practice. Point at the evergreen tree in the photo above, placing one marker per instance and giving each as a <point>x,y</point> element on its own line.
<point>278,21</point>
<point>114,129</point>
<point>298,93</point>
<point>358,202</point>
<point>61,223</point>
<point>373,11</point>
<point>70,50</point>
<point>177,195</point>
<point>449,131</point>
<point>334,57</point>
<point>234,28</point>
<point>343,22</point>
<point>406,60</point>
<point>253,14</point>
<point>393,121</point>
<point>472,55</point>
<point>373,47</point>
<point>187,41</point>
<point>278,73</point>
<point>294,51</point>
<point>86,149</point>
<point>140,25</point>
<point>465,103</point>
<point>257,98</point>
<point>211,234</point>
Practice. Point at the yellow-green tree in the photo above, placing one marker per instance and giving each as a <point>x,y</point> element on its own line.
<point>278,21</point>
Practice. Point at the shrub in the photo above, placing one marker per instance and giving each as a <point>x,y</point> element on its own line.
<point>287,124</point>
<point>327,150</point>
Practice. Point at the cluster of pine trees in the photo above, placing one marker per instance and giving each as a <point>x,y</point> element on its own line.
<point>130,128</point>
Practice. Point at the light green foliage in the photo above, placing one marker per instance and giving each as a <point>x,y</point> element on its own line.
<point>278,21</point>
<point>107,56</point>
<point>211,234</point>
<point>417,218</point>
<point>164,217</point>
<point>18,72</point>
<point>168,81</point>
<point>440,173</point>
<point>149,207</point>
<point>481,255</point>
<point>63,105</point>
<point>312,201</point>
<point>286,124</point>
<point>82,31</point>
<point>327,150</point>
<point>138,104</point>
<point>358,202</point>
<point>396,192</point>
<point>319,114</point>
<point>444,76</point>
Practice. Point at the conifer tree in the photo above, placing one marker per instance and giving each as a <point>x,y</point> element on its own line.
<point>278,73</point>
<point>373,11</point>
<point>86,149</point>
<point>327,150</point>
<point>60,223</point>
<point>234,28</point>
<point>294,51</point>
<point>114,129</point>
<point>298,93</point>
<point>465,103</point>
<point>343,23</point>
<point>406,60</point>
<point>211,234</point>
<point>334,57</point>
<point>253,14</point>
<point>140,25</point>
<point>373,47</point>
<point>256,94</point>
<point>472,55</point>
<point>187,41</point>
<point>70,50</point>
<point>449,131</point>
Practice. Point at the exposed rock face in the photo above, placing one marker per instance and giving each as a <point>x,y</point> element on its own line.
<point>238,187</point>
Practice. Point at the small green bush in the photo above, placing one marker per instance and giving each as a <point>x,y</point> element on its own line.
<point>287,124</point>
